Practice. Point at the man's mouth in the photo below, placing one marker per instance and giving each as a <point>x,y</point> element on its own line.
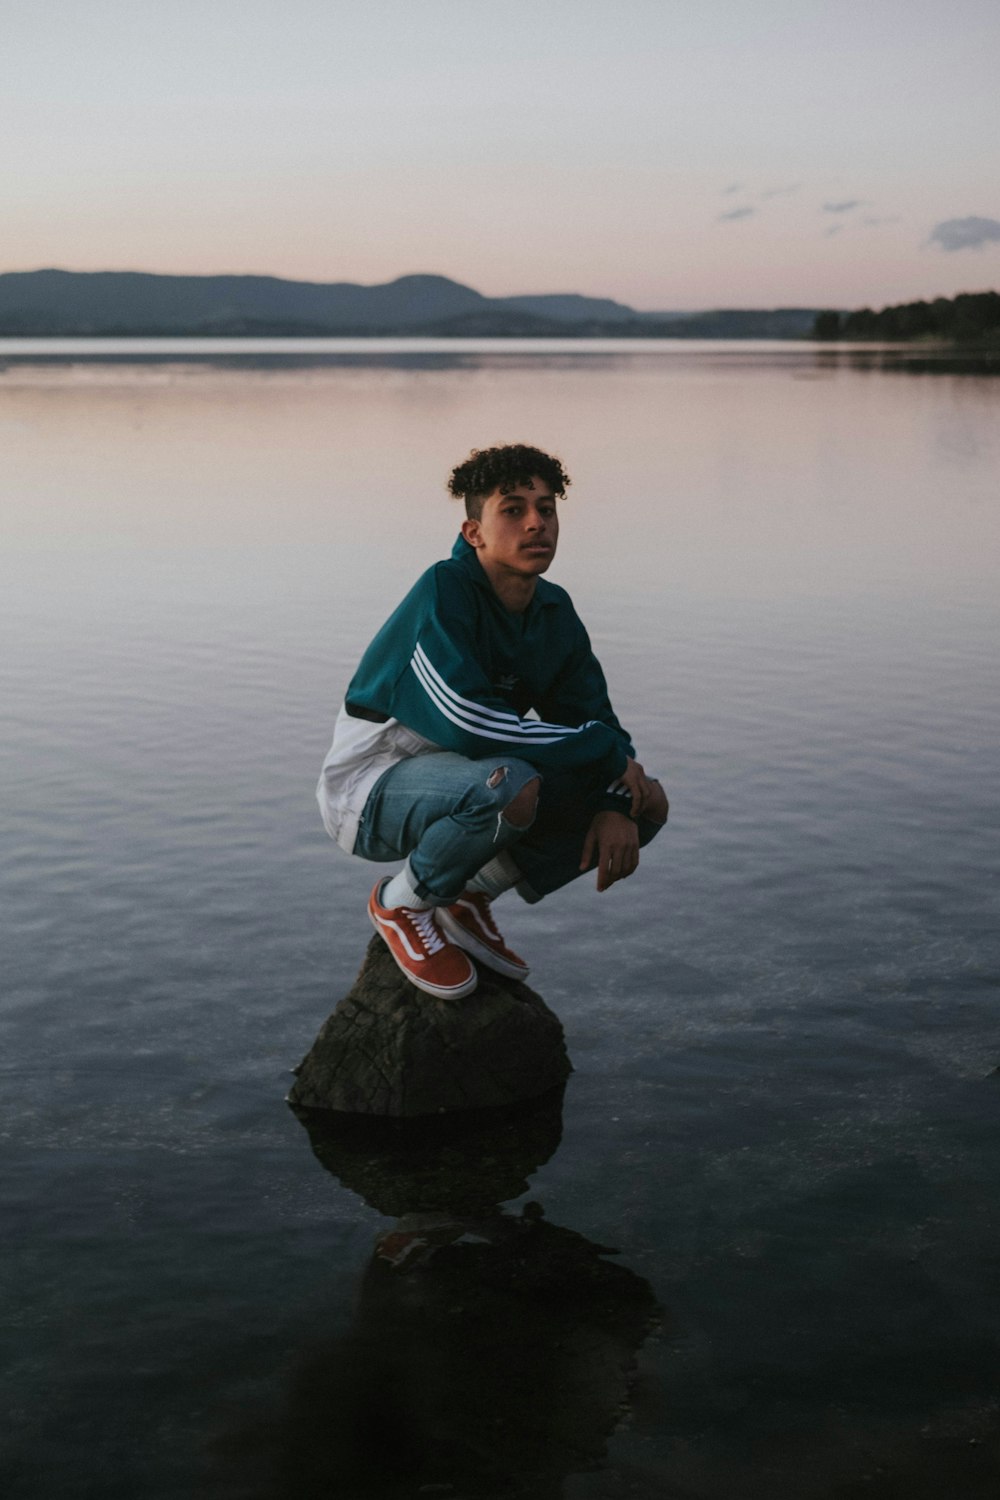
<point>536,547</point>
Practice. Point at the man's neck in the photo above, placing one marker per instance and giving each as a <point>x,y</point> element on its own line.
<point>514,591</point>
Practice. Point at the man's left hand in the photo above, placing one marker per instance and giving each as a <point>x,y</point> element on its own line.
<point>614,839</point>
<point>642,790</point>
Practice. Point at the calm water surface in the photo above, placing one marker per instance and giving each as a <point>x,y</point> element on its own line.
<point>784,1111</point>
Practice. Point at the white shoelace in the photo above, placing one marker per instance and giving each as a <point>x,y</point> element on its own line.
<point>426,928</point>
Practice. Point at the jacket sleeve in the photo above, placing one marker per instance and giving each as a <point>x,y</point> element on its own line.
<point>444,694</point>
<point>580,692</point>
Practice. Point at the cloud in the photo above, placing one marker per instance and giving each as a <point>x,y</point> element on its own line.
<point>738,213</point>
<point>964,234</point>
<point>733,187</point>
<point>833,229</point>
<point>781,192</point>
<point>871,221</point>
<point>842,207</point>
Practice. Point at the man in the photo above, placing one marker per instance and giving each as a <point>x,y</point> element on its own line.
<point>438,757</point>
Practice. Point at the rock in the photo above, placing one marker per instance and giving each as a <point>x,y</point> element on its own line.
<point>391,1050</point>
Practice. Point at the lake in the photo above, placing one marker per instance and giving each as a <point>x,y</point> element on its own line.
<point>785,1110</point>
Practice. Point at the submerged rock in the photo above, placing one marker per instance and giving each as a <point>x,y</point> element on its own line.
<point>389,1049</point>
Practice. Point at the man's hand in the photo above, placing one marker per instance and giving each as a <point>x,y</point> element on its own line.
<point>643,791</point>
<point>614,840</point>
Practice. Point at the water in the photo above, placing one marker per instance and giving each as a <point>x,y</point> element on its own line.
<point>783,1115</point>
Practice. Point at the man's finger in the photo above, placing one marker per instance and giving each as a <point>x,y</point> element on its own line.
<point>588,850</point>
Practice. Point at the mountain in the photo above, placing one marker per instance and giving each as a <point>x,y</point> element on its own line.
<point>97,303</point>
<point>571,307</point>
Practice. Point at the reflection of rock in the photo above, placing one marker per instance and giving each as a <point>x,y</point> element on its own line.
<point>511,1347</point>
<point>410,1166</point>
<point>389,1049</point>
<point>491,1356</point>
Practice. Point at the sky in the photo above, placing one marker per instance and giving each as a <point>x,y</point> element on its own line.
<point>672,154</point>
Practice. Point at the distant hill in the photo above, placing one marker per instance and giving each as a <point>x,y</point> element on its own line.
<point>53,303</point>
<point>570,307</point>
<point>72,302</point>
<point>737,323</point>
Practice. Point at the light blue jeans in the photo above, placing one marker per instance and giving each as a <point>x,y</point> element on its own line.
<point>445,814</point>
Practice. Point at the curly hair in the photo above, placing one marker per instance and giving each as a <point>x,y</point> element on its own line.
<point>489,469</point>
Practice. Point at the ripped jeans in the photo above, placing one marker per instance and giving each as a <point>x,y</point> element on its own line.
<point>444,813</point>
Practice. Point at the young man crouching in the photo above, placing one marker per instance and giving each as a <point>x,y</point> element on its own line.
<point>434,758</point>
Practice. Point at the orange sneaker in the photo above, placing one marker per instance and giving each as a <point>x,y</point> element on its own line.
<point>469,923</point>
<point>421,949</point>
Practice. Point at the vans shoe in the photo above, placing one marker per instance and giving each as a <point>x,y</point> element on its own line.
<point>421,950</point>
<point>469,923</point>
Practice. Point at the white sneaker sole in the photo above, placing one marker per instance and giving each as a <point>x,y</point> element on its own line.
<point>463,938</point>
<point>439,991</point>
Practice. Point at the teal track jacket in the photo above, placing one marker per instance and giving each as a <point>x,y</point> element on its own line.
<point>455,666</point>
<point>452,669</point>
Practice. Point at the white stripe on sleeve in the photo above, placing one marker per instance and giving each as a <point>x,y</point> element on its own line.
<point>478,719</point>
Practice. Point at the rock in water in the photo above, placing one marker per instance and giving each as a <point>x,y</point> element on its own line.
<point>391,1050</point>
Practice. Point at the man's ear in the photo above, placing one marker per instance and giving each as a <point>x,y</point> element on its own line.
<point>472,532</point>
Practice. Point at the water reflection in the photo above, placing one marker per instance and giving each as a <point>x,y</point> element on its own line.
<point>491,1352</point>
<point>84,356</point>
<point>910,359</point>
<point>426,1165</point>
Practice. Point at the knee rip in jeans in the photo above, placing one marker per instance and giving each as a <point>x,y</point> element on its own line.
<point>520,810</point>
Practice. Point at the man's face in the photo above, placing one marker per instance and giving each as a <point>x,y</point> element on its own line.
<point>517,532</point>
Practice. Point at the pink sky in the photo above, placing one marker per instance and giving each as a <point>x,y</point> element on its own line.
<point>670,155</point>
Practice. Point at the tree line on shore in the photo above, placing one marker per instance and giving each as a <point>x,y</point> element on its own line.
<point>971,317</point>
